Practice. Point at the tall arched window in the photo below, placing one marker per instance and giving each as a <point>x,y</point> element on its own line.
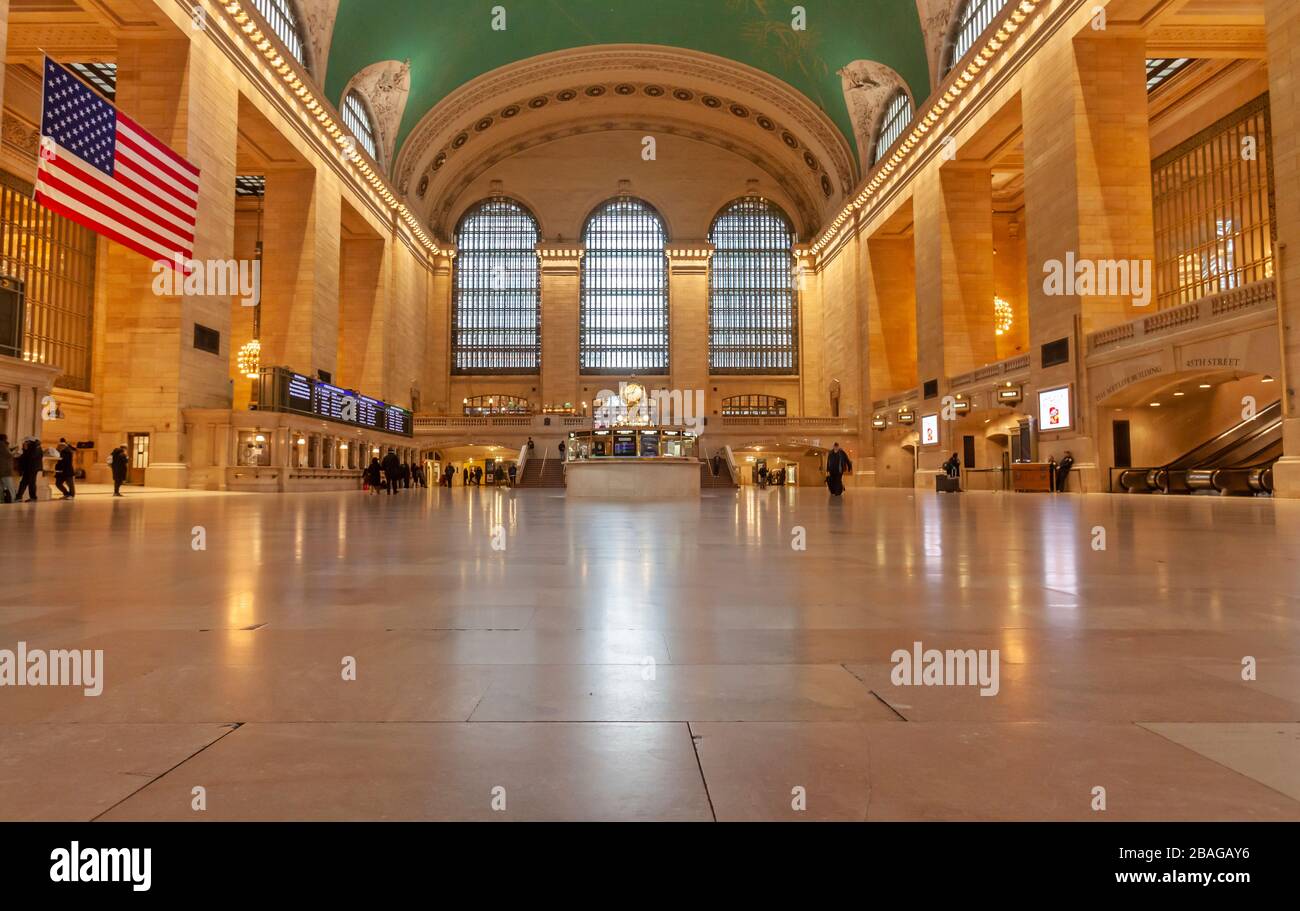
<point>279,14</point>
<point>496,321</point>
<point>356,117</point>
<point>753,317</point>
<point>976,16</point>
<point>898,114</point>
<point>624,322</point>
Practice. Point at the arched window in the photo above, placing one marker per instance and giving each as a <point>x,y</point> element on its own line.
<point>624,321</point>
<point>279,14</point>
<point>356,117</point>
<point>496,320</point>
<point>753,318</point>
<point>898,114</point>
<point>976,16</point>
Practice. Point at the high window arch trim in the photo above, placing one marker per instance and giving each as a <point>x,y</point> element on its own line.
<point>496,312</point>
<point>360,122</point>
<point>282,16</point>
<point>893,123</point>
<point>974,18</point>
<point>753,284</point>
<point>624,320</point>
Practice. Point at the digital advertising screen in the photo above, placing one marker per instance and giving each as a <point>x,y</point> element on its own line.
<point>930,430</point>
<point>1054,411</point>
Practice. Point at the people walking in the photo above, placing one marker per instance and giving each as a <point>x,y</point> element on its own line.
<point>837,465</point>
<point>374,475</point>
<point>6,470</point>
<point>514,471</point>
<point>65,473</point>
<point>117,463</point>
<point>392,471</point>
<point>30,464</point>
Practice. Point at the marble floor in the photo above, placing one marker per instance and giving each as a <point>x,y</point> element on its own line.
<point>496,655</point>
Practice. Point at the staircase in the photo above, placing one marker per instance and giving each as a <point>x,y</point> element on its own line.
<point>543,472</point>
<point>722,480</point>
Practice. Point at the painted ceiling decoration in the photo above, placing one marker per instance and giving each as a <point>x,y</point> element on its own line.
<point>386,86</point>
<point>869,87</point>
<point>316,18</point>
<point>453,43</point>
<point>937,18</point>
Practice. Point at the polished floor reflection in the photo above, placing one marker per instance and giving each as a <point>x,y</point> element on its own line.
<point>521,656</point>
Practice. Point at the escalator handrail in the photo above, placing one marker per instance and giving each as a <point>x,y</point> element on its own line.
<point>1199,457</point>
<point>1250,442</point>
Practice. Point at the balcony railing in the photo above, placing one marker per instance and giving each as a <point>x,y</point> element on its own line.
<point>1257,297</point>
<point>991,372</point>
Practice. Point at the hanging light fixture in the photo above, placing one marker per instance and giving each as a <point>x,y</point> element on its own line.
<point>1003,317</point>
<point>249,358</point>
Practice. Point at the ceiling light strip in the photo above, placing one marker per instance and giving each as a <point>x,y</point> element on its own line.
<point>321,113</point>
<point>1019,13</point>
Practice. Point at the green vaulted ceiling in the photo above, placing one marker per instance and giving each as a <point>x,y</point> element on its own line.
<point>450,42</point>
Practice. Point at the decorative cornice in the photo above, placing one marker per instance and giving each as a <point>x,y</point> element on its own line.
<point>471,103</point>
<point>322,120</point>
<point>944,106</point>
<point>689,259</point>
<point>451,195</point>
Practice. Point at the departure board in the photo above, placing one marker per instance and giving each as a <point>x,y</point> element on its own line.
<point>302,395</point>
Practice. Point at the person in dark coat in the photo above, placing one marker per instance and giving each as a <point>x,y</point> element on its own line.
<point>952,467</point>
<point>837,465</point>
<point>1063,471</point>
<point>374,474</point>
<point>118,462</point>
<point>392,471</point>
<point>30,464</point>
<point>64,472</point>
<point>514,473</point>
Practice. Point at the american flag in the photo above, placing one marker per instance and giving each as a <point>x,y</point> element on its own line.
<point>100,169</point>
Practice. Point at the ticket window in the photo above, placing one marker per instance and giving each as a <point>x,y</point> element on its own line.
<point>299,451</point>
<point>327,452</point>
<point>313,451</point>
<point>254,450</point>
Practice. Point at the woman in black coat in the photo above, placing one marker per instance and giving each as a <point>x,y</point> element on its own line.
<point>30,464</point>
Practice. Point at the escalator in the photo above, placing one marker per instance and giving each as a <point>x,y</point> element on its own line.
<point>1237,461</point>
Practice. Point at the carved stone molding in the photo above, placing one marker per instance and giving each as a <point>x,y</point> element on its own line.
<point>869,87</point>
<point>386,86</point>
<point>317,19</point>
<point>937,17</point>
<point>442,215</point>
<point>605,69</point>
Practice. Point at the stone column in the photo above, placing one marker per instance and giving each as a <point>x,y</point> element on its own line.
<point>363,315</point>
<point>954,288</point>
<point>561,291</point>
<point>300,277</point>
<point>1087,195</point>
<point>1282,18</point>
<point>147,371</point>
<point>437,358</point>
<point>688,315</point>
